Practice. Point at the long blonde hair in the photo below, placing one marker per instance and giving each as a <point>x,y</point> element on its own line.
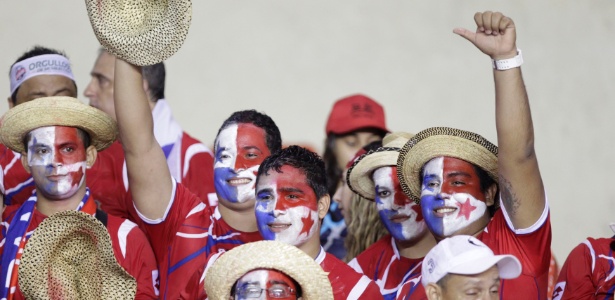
<point>364,227</point>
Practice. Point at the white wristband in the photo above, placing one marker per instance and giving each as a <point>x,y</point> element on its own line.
<point>505,64</point>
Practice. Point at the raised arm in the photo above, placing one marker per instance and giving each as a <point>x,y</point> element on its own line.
<point>521,186</point>
<point>148,174</point>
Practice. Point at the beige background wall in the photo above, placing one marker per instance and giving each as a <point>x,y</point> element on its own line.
<point>292,59</point>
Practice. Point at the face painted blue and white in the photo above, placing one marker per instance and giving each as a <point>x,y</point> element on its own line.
<point>451,197</point>
<point>240,149</point>
<point>401,216</point>
<point>286,207</point>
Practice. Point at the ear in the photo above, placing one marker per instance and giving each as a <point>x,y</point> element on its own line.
<point>10,102</point>
<point>24,162</point>
<point>323,206</point>
<point>490,194</point>
<point>433,292</point>
<point>91,154</point>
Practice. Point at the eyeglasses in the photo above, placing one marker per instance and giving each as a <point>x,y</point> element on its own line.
<point>254,292</point>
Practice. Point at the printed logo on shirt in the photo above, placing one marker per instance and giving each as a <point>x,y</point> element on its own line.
<point>431,265</point>
<point>156,282</point>
<point>558,290</point>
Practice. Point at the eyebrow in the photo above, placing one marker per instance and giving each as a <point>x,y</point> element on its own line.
<point>41,93</point>
<point>278,282</point>
<point>292,190</point>
<point>252,147</point>
<point>98,74</point>
<point>263,191</point>
<point>458,173</point>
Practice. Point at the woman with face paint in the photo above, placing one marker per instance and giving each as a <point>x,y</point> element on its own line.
<point>266,270</point>
<point>353,122</point>
<point>291,200</point>
<point>455,175</point>
<point>396,257</point>
<point>183,230</point>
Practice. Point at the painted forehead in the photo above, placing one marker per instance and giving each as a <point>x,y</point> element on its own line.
<point>53,134</point>
<point>448,165</point>
<point>243,135</point>
<point>290,176</point>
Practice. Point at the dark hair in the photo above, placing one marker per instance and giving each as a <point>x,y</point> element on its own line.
<point>35,51</point>
<point>334,173</point>
<point>251,116</point>
<point>298,290</point>
<point>303,159</point>
<point>83,135</point>
<point>155,76</point>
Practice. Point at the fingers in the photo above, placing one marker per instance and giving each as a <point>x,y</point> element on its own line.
<point>492,23</point>
<point>467,34</point>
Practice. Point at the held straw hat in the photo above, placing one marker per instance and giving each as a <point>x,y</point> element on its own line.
<point>70,256</point>
<point>56,111</point>
<point>443,141</point>
<point>359,176</point>
<point>288,259</point>
<point>142,32</point>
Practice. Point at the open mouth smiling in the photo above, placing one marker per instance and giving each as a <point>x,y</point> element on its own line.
<point>278,227</point>
<point>445,211</point>
<point>238,181</point>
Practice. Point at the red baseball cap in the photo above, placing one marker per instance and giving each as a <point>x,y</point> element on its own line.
<point>355,112</point>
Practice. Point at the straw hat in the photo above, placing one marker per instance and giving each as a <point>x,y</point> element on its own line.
<point>70,256</point>
<point>359,176</point>
<point>443,141</point>
<point>56,111</point>
<point>142,32</point>
<point>288,259</point>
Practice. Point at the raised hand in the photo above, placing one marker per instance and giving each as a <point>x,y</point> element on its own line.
<point>495,35</point>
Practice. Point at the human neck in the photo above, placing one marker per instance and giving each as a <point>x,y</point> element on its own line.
<point>312,246</point>
<point>49,207</point>
<point>418,247</point>
<point>239,219</point>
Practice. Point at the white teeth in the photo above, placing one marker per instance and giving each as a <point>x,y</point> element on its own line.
<point>445,210</point>
<point>239,181</point>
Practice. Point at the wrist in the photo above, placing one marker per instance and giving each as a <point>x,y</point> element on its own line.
<point>508,61</point>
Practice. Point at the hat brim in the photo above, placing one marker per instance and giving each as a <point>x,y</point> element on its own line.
<point>442,141</point>
<point>140,32</point>
<point>359,175</point>
<point>56,111</point>
<point>509,266</point>
<point>50,238</point>
<point>288,259</point>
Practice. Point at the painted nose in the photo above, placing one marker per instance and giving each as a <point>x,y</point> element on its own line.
<point>400,199</point>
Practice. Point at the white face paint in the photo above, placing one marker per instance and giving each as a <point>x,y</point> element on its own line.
<point>56,158</point>
<point>234,176</point>
<point>401,216</point>
<point>259,283</point>
<point>449,206</point>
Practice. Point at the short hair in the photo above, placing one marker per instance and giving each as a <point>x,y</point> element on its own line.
<point>35,51</point>
<point>263,121</point>
<point>155,76</point>
<point>83,135</point>
<point>303,159</point>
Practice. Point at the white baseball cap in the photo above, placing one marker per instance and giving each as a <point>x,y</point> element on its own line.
<point>465,255</point>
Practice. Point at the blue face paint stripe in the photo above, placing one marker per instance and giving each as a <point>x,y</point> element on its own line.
<point>226,191</point>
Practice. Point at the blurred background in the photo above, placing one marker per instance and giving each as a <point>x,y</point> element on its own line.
<point>293,59</point>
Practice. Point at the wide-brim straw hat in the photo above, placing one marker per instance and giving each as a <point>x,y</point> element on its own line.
<point>56,111</point>
<point>359,175</point>
<point>443,141</point>
<point>142,32</point>
<point>70,256</point>
<point>288,259</point>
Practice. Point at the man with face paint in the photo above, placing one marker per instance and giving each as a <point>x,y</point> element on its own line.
<point>397,257</point>
<point>39,72</point>
<point>57,146</point>
<point>455,174</point>
<point>183,230</point>
<point>291,201</point>
<point>189,161</point>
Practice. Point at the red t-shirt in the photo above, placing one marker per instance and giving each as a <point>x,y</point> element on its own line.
<point>346,282</point>
<point>532,246</point>
<point>588,273</point>
<point>130,246</point>
<point>382,263</point>
<point>183,239</point>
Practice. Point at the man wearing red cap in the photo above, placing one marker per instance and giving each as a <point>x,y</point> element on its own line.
<point>354,122</point>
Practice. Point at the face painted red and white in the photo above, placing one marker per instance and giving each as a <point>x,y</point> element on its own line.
<point>57,161</point>
<point>265,284</point>
<point>286,206</point>
<point>451,197</point>
<point>240,149</point>
<point>401,216</point>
